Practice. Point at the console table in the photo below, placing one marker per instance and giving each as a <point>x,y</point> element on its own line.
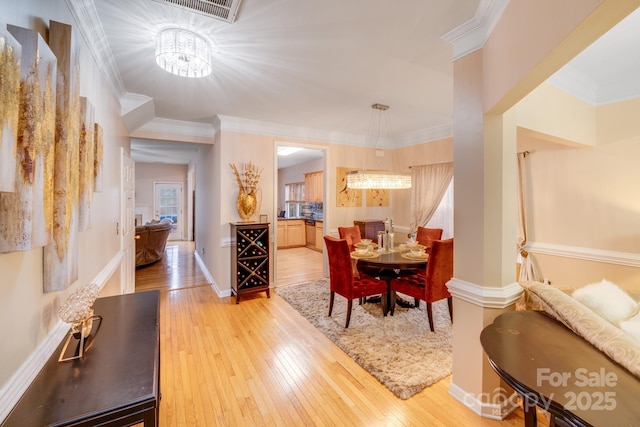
<point>115,383</point>
<point>551,367</point>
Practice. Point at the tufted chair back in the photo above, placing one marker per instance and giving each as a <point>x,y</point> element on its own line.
<point>425,236</point>
<point>342,280</point>
<point>439,270</point>
<point>350,234</point>
<point>340,271</point>
<point>431,285</point>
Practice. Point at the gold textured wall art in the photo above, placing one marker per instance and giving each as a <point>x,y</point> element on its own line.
<point>26,214</point>
<point>61,256</point>
<point>98,159</point>
<point>87,155</point>
<point>377,197</point>
<point>10,52</point>
<point>346,196</point>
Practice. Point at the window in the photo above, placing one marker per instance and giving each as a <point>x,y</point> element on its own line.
<point>294,192</point>
<point>293,199</point>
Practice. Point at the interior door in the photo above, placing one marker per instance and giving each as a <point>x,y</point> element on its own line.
<point>127,221</point>
<point>168,203</point>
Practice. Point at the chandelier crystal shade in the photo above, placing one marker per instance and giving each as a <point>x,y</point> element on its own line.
<point>366,179</point>
<point>183,53</point>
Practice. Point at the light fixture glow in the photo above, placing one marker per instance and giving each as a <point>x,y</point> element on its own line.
<point>285,151</point>
<point>369,179</point>
<point>183,53</point>
<point>364,179</point>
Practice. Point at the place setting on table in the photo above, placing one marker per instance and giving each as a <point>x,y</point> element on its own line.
<point>388,255</point>
<point>391,261</point>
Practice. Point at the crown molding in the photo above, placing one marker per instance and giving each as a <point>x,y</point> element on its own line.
<point>573,82</point>
<point>473,34</point>
<point>179,127</point>
<point>239,124</point>
<point>85,14</point>
<point>425,135</point>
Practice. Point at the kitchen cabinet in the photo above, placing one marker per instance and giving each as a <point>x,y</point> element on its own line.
<point>291,233</point>
<point>319,236</point>
<point>314,186</point>
<point>250,259</point>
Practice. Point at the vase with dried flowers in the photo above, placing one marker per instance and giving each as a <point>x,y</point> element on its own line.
<point>247,201</point>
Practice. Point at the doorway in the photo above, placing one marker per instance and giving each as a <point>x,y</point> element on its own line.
<point>293,161</point>
<point>168,203</point>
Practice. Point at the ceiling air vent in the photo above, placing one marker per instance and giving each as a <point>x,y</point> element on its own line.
<point>224,10</point>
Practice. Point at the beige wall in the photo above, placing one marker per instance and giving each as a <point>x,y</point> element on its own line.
<point>531,41</point>
<point>550,111</point>
<point>27,314</point>
<point>583,201</point>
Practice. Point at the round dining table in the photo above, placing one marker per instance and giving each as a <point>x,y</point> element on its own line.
<point>391,264</point>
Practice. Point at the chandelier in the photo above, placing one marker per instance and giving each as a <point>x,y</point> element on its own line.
<point>183,53</point>
<point>365,179</point>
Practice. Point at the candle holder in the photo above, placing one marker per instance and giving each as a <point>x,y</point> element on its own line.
<point>77,310</point>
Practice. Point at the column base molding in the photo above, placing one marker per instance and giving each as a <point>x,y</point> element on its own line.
<point>496,407</point>
<point>485,296</point>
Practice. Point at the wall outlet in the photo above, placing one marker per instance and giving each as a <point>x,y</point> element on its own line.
<point>546,281</point>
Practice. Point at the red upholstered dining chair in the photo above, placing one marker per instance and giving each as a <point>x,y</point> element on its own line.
<point>342,280</point>
<point>425,236</point>
<point>350,234</point>
<point>430,286</point>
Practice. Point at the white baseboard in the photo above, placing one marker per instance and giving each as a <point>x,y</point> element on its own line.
<point>482,406</point>
<point>209,276</point>
<point>15,387</point>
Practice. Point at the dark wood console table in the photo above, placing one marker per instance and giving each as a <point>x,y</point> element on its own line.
<point>551,367</point>
<point>116,383</point>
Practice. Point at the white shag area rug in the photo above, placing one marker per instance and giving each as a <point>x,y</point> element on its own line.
<point>399,350</point>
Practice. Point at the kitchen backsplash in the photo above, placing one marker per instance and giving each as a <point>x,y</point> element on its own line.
<point>312,210</point>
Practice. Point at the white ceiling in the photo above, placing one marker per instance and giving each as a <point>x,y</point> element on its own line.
<point>315,64</point>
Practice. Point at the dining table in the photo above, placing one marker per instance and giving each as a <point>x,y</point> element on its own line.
<point>391,264</point>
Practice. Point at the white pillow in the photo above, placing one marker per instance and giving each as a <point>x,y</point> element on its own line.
<point>607,300</point>
<point>632,326</point>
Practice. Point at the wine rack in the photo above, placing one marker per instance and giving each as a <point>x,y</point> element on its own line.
<point>250,259</point>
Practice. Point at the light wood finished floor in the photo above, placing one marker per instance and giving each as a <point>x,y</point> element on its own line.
<point>297,265</point>
<point>259,363</point>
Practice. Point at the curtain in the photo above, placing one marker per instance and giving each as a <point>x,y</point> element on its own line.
<point>527,268</point>
<point>428,185</point>
<point>443,216</point>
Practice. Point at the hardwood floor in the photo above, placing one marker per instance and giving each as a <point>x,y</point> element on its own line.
<point>298,265</point>
<point>261,363</point>
<point>178,269</point>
